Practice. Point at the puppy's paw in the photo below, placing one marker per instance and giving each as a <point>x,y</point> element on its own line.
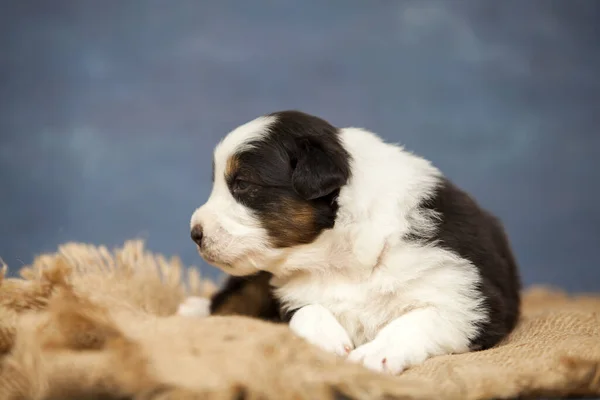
<point>318,326</point>
<point>382,355</point>
<point>193,306</point>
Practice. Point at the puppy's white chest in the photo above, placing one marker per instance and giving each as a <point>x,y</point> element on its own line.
<point>362,308</point>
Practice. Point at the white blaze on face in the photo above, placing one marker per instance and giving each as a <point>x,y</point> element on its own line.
<point>233,238</point>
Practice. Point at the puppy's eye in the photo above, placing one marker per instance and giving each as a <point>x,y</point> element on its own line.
<point>240,185</point>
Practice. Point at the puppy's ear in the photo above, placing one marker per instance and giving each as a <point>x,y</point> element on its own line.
<point>319,172</point>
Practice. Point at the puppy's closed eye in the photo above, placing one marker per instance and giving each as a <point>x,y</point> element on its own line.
<point>241,186</point>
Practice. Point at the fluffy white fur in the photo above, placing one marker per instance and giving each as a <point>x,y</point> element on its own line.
<point>358,285</point>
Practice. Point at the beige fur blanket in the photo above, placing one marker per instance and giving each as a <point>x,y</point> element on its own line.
<point>86,323</point>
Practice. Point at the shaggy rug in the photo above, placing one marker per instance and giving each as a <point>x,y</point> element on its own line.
<point>88,323</point>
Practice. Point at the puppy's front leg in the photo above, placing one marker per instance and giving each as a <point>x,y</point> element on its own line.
<point>319,326</point>
<point>412,338</point>
<point>250,296</point>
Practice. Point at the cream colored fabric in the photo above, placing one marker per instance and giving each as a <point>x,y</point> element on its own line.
<point>86,323</point>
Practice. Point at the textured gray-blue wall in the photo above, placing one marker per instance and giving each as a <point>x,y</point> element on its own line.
<point>109,110</point>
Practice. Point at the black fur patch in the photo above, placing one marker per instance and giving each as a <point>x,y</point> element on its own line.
<point>291,177</point>
<point>476,235</point>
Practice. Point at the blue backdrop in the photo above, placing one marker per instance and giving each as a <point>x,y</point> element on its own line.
<point>109,110</point>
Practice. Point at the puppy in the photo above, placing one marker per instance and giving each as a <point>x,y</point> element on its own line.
<point>370,251</point>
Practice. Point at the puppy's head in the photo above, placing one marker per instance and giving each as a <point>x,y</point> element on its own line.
<point>275,183</point>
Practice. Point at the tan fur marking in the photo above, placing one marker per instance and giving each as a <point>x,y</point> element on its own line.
<point>293,223</point>
<point>232,166</point>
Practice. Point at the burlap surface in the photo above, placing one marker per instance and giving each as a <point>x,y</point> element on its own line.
<point>86,323</point>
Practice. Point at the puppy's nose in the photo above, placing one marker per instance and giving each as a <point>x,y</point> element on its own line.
<point>197,234</point>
